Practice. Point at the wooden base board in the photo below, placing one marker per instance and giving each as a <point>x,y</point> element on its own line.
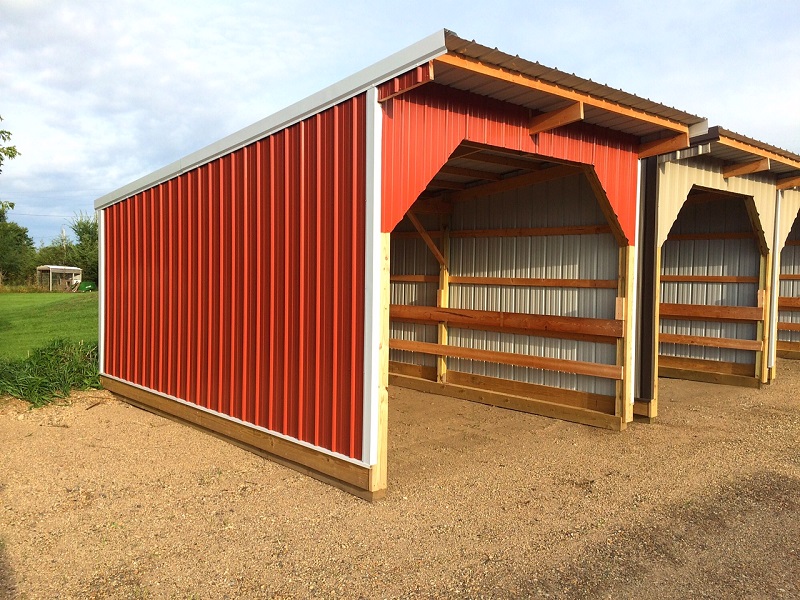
<point>708,377</point>
<point>334,471</point>
<point>790,350</point>
<point>530,405</point>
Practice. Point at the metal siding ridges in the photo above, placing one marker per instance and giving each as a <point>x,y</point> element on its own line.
<point>239,286</point>
<point>425,125</point>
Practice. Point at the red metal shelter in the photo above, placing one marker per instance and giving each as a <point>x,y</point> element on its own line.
<point>246,288</point>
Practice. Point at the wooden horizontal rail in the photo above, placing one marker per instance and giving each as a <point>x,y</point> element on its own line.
<point>702,312</point>
<point>783,326</point>
<point>789,276</point>
<point>532,324</point>
<point>414,278</point>
<point>513,232</point>
<point>789,350</point>
<point>792,243</point>
<point>708,366</point>
<point>711,342</point>
<point>737,235</point>
<point>610,284</point>
<point>788,303</point>
<point>555,409</point>
<point>707,279</point>
<point>510,358</point>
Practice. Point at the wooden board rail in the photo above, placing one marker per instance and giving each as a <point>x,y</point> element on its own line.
<point>787,303</point>
<point>783,326</point>
<point>702,312</point>
<point>707,279</point>
<point>513,232</point>
<point>509,358</point>
<point>711,342</point>
<point>789,276</point>
<point>533,324</point>
<point>739,235</point>
<point>609,284</point>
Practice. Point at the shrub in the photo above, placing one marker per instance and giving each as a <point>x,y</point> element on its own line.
<point>51,372</point>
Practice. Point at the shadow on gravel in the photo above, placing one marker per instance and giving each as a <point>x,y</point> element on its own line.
<point>739,543</point>
<point>7,585</point>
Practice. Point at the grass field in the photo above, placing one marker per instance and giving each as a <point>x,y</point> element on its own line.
<point>29,321</point>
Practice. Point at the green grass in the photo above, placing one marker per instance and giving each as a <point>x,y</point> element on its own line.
<point>30,321</point>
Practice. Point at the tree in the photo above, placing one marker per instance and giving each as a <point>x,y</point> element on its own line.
<point>6,152</point>
<point>17,252</point>
<point>85,251</point>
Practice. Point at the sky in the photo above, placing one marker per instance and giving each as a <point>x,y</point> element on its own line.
<point>98,93</point>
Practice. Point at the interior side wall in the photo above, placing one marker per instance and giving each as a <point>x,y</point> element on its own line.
<point>560,203</point>
<point>789,284</point>
<point>692,250</point>
<point>238,287</point>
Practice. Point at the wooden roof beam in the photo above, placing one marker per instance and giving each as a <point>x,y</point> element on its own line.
<point>756,166</point>
<point>473,173</point>
<point>511,183</point>
<point>664,145</point>
<point>476,66</point>
<point>784,160</point>
<point>788,183</point>
<point>556,118</point>
<point>448,185</point>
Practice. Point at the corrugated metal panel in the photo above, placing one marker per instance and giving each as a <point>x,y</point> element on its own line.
<point>790,265</point>
<point>730,257</point>
<point>676,179</point>
<point>425,125</point>
<point>239,285</point>
<point>565,202</point>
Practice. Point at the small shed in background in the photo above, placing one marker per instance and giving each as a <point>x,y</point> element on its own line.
<point>58,277</point>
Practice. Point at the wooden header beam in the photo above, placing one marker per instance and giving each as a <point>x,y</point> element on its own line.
<point>511,183</point>
<point>473,173</point>
<point>476,66</point>
<point>756,166</point>
<point>731,143</point>
<point>556,118</point>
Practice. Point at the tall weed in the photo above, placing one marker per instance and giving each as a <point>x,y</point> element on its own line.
<point>51,372</point>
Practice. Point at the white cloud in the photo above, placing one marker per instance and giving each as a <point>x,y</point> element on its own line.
<point>99,93</point>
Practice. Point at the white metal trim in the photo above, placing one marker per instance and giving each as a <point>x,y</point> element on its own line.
<point>633,378</point>
<point>240,422</point>
<point>372,279</point>
<point>101,283</point>
<point>383,70</point>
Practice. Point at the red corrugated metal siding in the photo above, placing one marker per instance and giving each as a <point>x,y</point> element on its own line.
<point>423,126</point>
<point>239,286</point>
<point>405,82</point>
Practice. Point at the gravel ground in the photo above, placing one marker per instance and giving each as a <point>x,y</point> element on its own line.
<point>102,500</point>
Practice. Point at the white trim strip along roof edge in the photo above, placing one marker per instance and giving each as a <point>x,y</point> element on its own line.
<point>383,70</point>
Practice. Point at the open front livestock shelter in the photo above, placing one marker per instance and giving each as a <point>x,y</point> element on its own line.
<point>716,216</point>
<point>452,219</point>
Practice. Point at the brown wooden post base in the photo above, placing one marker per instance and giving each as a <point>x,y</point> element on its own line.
<point>349,477</point>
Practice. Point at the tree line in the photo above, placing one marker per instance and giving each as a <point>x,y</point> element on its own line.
<point>18,255</point>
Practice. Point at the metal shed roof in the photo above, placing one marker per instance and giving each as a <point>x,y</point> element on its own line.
<point>509,78</point>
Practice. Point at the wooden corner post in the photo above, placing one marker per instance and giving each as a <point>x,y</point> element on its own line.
<point>443,301</point>
<point>625,312</point>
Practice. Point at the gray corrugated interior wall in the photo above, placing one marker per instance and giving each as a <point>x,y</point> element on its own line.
<point>790,265</point>
<point>732,257</point>
<point>565,202</point>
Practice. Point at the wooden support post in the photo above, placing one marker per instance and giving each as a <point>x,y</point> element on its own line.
<point>443,301</point>
<point>378,473</point>
<point>625,292</point>
<point>764,283</point>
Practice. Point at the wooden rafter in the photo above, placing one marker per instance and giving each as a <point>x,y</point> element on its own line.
<point>515,182</point>
<point>473,173</point>
<point>426,238</point>
<point>788,183</point>
<point>556,118</point>
<point>749,148</point>
<point>664,145</point>
<point>505,161</point>
<point>476,66</point>
<point>756,166</point>
<point>448,185</point>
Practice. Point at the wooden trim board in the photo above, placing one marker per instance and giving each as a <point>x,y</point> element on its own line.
<point>708,371</point>
<point>349,477</point>
<point>790,350</point>
<point>514,402</point>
